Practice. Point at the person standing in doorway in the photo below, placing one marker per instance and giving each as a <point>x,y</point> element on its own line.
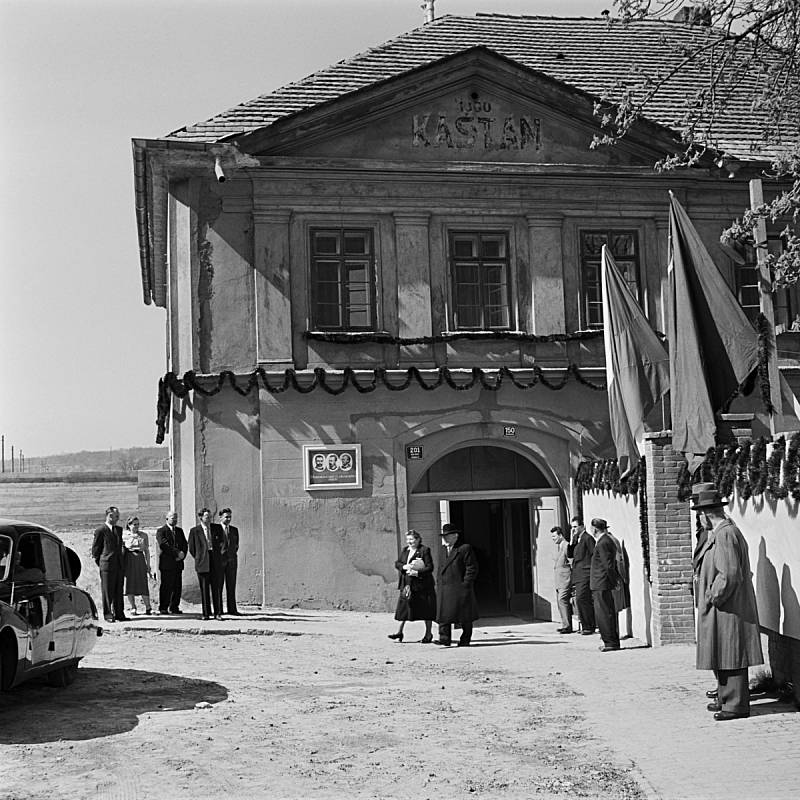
<point>108,553</point>
<point>172,549</point>
<point>562,579</point>
<point>230,543</point>
<point>206,563</point>
<point>728,638</point>
<point>602,581</point>
<point>580,549</point>
<point>458,570</point>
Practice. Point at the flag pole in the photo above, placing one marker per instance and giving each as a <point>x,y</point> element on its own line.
<point>767,305</point>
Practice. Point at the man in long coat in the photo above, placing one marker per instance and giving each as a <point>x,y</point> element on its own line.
<point>728,639</point>
<point>455,594</point>
<point>604,579</point>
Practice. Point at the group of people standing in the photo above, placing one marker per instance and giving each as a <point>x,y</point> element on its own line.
<point>123,558</point>
<point>454,603</point>
<point>592,568</point>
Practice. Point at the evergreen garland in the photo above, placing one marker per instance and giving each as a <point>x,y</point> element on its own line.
<point>746,469</point>
<point>181,387</point>
<point>644,528</point>
<point>764,354</point>
<point>603,476</point>
<point>357,337</point>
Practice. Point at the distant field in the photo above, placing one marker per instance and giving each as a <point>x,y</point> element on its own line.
<point>66,505</point>
<point>73,511</point>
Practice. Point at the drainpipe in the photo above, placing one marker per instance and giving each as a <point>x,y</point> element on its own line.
<point>427,7</point>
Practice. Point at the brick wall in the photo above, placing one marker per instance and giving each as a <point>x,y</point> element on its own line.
<point>671,544</point>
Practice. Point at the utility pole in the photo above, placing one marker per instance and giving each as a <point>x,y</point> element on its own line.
<point>12,457</point>
<point>3,450</point>
<point>767,306</point>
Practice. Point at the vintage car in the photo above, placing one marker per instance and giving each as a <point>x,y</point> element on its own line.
<point>47,624</point>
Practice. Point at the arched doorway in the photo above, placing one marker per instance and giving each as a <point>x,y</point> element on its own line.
<point>505,506</point>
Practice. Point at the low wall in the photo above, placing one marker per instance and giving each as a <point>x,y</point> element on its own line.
<point>622,514</point>
<point>772,531</point>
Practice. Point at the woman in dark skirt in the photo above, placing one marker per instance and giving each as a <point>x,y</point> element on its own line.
<point>137,565</point>
<point>417,599</point>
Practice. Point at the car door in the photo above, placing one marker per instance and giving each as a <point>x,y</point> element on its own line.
<point>59,590</point>
<point>30,597</point>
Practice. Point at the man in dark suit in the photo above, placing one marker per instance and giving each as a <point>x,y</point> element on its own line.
<point>580,549</point>
<point>108,553</point>
<point>455,593</point>
<point>230,552</point>
<point>172,549</point>
<point>602,581</point>
<point>204,545</point>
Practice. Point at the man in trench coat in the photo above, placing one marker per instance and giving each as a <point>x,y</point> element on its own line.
<point>728,639</point>
<point>604,579</point>
<point>455,593</point>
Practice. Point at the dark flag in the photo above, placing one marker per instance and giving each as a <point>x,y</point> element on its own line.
<point>713,346</point>
<point>637,365</point>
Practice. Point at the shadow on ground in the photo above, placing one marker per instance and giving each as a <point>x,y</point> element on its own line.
<point>101,702</point>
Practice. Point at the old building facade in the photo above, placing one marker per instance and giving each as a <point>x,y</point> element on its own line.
<point>384,283</point>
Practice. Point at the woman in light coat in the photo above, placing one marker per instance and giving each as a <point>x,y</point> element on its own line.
<point>562,579</point>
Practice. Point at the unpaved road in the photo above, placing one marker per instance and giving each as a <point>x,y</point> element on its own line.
<point>330,713</point>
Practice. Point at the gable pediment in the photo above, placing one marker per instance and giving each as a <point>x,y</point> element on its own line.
<point>474,106</point>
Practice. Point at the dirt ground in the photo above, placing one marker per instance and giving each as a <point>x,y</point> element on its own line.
<point>326,712</point>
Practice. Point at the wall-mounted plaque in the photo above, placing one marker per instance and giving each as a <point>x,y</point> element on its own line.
<point>509,430</point>
<point>413,451</point>
<point>331,466</point>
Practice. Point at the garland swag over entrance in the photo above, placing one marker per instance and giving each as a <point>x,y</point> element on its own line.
<point>336,382</point>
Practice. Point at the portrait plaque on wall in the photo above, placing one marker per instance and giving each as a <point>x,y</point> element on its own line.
<point>331,466</point>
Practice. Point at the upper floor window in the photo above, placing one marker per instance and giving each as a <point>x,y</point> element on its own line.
<point>343,279</point>
<point>479,268</point>
<point>624,246</point>
<point>748,286</point>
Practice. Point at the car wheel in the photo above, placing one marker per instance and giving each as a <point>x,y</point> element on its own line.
<point>63,676</point>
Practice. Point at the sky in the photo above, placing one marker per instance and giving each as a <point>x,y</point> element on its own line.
<point>80,352</point>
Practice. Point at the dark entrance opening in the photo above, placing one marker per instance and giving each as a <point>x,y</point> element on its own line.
<point>499,531</point>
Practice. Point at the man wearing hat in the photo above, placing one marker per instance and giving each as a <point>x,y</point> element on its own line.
<point>603,579</point>
<point>455,594</point>
<point>728,640</point>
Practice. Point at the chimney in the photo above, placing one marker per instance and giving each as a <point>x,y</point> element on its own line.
<point>694,15</point>
<point>430,14</point>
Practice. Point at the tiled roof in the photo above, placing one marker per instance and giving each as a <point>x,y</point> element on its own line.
<point>584,53</point>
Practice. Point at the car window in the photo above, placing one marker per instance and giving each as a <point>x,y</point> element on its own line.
<point>53,563</point>
<point>5,557</point>
<point>28,564</point>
